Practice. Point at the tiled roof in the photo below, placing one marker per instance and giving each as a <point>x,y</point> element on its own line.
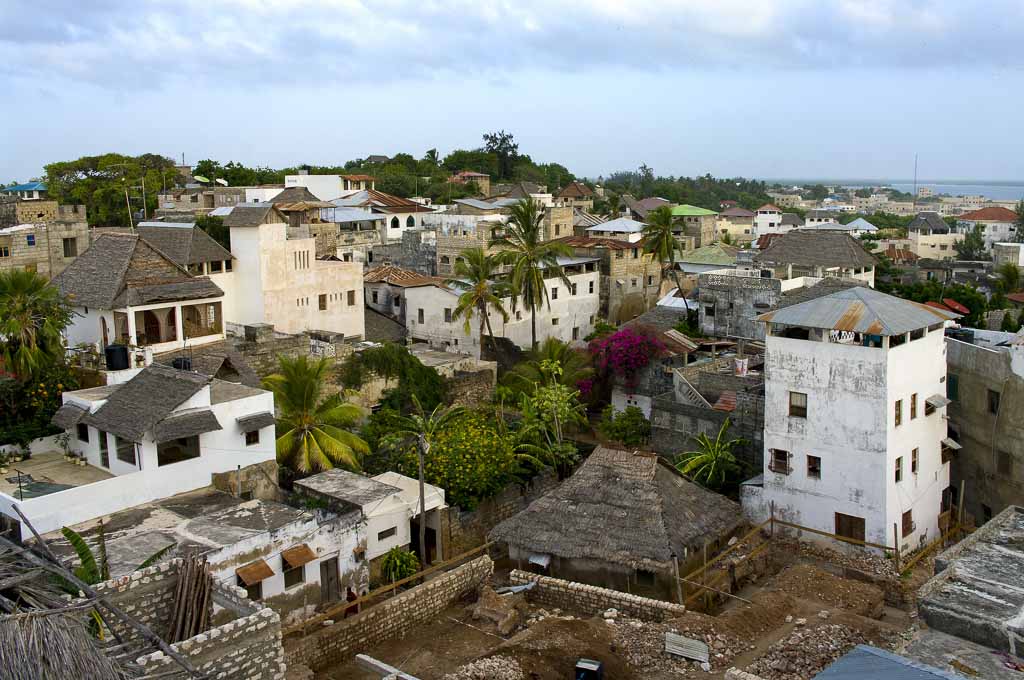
<point>581,218</point>
<point>769,207</point>
<point>993,214</point>
<point>816,248</point>
<point>597,242</point>
<point>576,190</point>
<point>359,178</point>
<point>185,244</point>
<point>736,211</point>
<point>929,221</point>
<point>380,201</point>
<point>254,216</point>
<point>765,240</point>
<point>396,276</point>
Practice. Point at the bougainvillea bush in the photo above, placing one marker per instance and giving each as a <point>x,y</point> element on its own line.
<point>625,353</point>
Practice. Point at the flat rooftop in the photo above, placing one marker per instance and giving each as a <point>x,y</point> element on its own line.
<point>978,590</point>
<point>46,473</point>
<point>349,487</point>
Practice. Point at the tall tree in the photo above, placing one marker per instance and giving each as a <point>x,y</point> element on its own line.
<point>503,145</point>
<point>573,366</point>
<point>423,428</point>
<point>311,430</point>
<point>431,157</point>
<point>33,316</point>
<point>972,246</point>
<point>531,258</point>
<point>661,242</point>
<point>474,275</point>
<point>1018,224</point>
<point>1009,274</point>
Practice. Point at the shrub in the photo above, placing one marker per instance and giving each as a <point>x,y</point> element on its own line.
<point>628,427</point>
<point>625,353</point>
<point>398,563</point>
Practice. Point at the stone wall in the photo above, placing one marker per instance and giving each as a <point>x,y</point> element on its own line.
<point>45,255</point>
<point>387,620</point>
<point>258,481</point>
<point>586,599</point>
<point>729,304</point>
<point>260,345</point>
<point>472,388</point>
<point>465,530</point>
<point>411,253</point>
<point>674,424</point>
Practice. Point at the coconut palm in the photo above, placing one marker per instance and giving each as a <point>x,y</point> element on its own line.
<point>33,315</point>
<point>530,257</point>
<point>574,366</point>
<point>1009,274</point>
<point>314,436</point>
<point>661,242</point>
<point>474,276</point>
<point>423,428</point>
<point>713,461</point>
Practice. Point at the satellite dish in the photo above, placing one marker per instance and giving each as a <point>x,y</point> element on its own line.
<point>200,178</point>
<point>222,182</point>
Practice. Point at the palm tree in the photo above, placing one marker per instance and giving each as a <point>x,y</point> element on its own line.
<point>474,276</point>
<point>527,375</point>
<point>424,428</point>
<point>33,315</point>
<point>713,461</point>
<point>530,256</point>
<point>661,242</point>
<point>314,437</point>
<point>1009,273</point>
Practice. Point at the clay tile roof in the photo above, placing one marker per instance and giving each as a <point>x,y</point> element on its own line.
<point>575,190</point>
<point>396,276</point>
<point>955,306</point>
<point>993,214</point>
<point>726,402</point>
<point>1016,297</point>
<point>771,207</point>
<point>939,305</point>
<point>359,178</point>
<point>598,242</point>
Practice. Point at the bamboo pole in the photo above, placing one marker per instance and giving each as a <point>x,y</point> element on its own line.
<point>844,539</point>
<point>730,549</point>
<point>679,584</point>
<point>896,550</point>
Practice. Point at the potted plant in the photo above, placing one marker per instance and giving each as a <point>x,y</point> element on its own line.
<point>64,442</point>
<point>3,463</point>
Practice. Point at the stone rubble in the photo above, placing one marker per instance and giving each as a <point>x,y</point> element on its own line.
<point>806,651</point>
<point>491,668</point>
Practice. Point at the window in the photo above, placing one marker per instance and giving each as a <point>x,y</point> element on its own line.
<point>419,316</point>
<point>633,283</point>
<point>575,332</point>
<point>986,512</point>
<point>709,310</point>
<point>293,576</point>
<point>252,438</point>
<point>410,222</point>
<point>993,402</point>
<point>573,289</point>
<point>644,578</point>
<point>618,255</point>
<point>351,298</point>
<point>913,406</point>
<point>387,533</point>
<point>254,592</point>
<point>779,462</point>
<point>908,523</point>
<point>30,240</point>
<point>591,289</point>
<point>447,314</point>
<point>5,251</point>
<point>395,224</point>
<point>397,301</point>
<point>104,450</point>
<point>1004,464</point>
<point>227,265</point>
<point>899,469</point>
<point>554,293</point>
<point>558,229</point>
<point>83,432</point>
<point>814,467</point>
<point>849,526</point>
<point>899,412</point>
<point>554,321</point>
<point>650,280</point>
<point>126,451</point>
<point>953,386</point>
<point>217,266</point>
<point>798,404</point>
<point>636,253</point>
<point>519,316</point>
<point>70,247</point>
<point>914,458</point>
<point>321,302</point>
<point>373,296</point>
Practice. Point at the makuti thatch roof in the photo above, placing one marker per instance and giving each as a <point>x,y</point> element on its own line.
<point>628,508</point>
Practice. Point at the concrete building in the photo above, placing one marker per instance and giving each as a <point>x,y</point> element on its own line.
<point>576,195</point>
<point>399,214</point>
<point>481,179</point>
<point>285,283</point>
<point>621,228</point>
<point>697,223</point>
<point>736,223</point>
<point>45,247</point>
<point>816,217</point>
<point>930,236</point>
<point>631,280</point>
<point>854,421</point>
<point>1007,253</point>
<point>986,386</point>
<point>708,258</point>
<point>384,289</point>
<point>197,200</point>
<point>350,234</point>
<point>786,200</point>
<point>817,253</point>
<point>768,220</point>
<point>638,210</point>
<point>998,224</point>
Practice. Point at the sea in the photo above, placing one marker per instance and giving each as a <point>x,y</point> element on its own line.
<point>994,190</point>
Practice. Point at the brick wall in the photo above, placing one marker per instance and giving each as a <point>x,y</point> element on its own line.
<point>465,530</point>
<point>586,599</point>
<point>471,388</point>
<point>390,619</point>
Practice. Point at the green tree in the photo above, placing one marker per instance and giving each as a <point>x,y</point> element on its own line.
<point>33,316</point>
<point>629,427</point>
<point>713,462</point>
<point>398,563</point>
<point>1009,274</point>
<point>972,246</point>
<point>390,361</point>
<point>503,145</point>
<point>660,241</point>
<point>432,158</point>
<point>425,429</point>
<point>531,258</point>
<point>1011,323</point>
<point>474,276</point>
<point>1018,224</point>
<point>214,227</point>
<point>312,434</point>
<point>573,366</point>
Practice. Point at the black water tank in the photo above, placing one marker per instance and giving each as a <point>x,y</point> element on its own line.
<point>117,357</point>
<point>182,363</point>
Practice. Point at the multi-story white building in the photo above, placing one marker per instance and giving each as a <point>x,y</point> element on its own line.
<point>767,220</point>
<point>855,417</point>
<point>998,224</point>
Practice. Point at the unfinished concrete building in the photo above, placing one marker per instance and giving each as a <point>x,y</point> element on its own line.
<point>630,278</point>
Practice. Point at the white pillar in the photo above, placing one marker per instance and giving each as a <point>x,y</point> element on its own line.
<point>132,339</point>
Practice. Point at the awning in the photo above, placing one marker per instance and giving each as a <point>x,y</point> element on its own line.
<point>950,444</point>
<point>298,556</point>
<point>254,422</point>
<point>254,572</point>
<point>186,424</point>
<point>938,401</point>
<point>540,560</point>
<point>68,415</point>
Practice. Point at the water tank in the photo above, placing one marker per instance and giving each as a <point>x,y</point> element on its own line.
<point>182,363</point>
<point>117,357</point>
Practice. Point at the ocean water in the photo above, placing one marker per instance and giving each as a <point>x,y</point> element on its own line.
<point>996,192</point>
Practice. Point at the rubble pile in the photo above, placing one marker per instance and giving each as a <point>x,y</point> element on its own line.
<point>491,668</point>
<point>806,651</point>
<point>808,581</point>
<point>642,645</point>
<point>862,560</point>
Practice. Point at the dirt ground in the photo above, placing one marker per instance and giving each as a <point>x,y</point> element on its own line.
<point>791,626</point>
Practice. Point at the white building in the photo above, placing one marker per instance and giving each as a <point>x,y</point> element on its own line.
<point>574,309</point>
<point>148,434</point>
<point>399,214</point>
<point>324,187</point>
<point>998,224</point>
<point>767,220</point>
<point>284,283</point>
<point>621,228</point>
<point>854,417</point>
<point>1003,253</point>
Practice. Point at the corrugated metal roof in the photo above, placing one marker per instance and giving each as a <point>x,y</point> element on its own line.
<point>864,661</point>
<point>622,225</point>
<point>861,310</point>
<point>28,186</point>
<point>687,210</point>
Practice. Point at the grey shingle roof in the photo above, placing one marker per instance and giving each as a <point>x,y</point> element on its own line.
<point>861,310</point>
<point>792,219</point>
<point>145,400</point>
<point>294,195</point>
<point>349,487</point>
<point>185,424</point>
<point>184,245</point>
<point>68,415</point>
<point>217,360</point>
<point>381,328</point>
<point>817,249</point>
<point>870,662</point>
<point>929,221</point>
<point>256,421</point>
<point>96,277</point>
<point>190,289</point>
<point>253,216</point>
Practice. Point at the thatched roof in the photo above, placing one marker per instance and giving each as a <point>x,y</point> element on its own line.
<point>627,508</point>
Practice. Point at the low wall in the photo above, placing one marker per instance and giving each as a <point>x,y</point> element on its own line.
<point>580,597</point>
<point>389,619</point>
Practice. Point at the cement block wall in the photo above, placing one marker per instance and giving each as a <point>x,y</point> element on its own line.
<point>390,619</point>
<point>586,599</point>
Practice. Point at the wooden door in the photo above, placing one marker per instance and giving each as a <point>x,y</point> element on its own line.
<point>330,585</point>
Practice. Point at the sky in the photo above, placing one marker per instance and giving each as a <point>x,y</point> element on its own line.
<point>758,88</point>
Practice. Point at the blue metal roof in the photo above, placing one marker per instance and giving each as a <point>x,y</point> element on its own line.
<point>28,186</point>
<point>864,661</point>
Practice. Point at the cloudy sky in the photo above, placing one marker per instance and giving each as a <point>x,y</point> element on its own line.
<point>762,88</point>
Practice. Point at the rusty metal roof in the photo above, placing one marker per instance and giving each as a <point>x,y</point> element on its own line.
<point>860,310</point>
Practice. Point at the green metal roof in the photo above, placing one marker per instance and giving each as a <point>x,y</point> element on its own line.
<point>715,253</point>
<point>686,210</point>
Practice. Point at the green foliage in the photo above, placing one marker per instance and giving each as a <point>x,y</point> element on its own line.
<point>312,433</point>
<point>475,276</point>
<point>1011,323</point>
<point>972,247</point>
<point>391,361</point>
<point>690,326</point>
<point>660,241</point>
<point>238,175</point>
<point>93,567</point>
<point>704,191</point>
<point>398,563</point>
<point>628,427</point>
<point>601,329</point>
<point>214,227</point>
<point>925,291</point>
<point>572,366</point>
<point>504,147</point>
<point>33,316</point>
<point>712,463</point>
<point>1018,223</point>
<point>27,406</point>
<point>1009,275</point>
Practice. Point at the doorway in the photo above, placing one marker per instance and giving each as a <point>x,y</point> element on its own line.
<point>330,584</point>
<point>414,542</point>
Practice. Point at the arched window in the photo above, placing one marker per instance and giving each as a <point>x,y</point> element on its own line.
<point>395,224</point>
<point>445,260</point>
<point>410,221</point>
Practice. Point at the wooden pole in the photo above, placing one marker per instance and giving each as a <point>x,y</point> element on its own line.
<point>896,539</point>
<point>679,583</point>
<point>704,579</point>
<point>960,511</point>
<point>771,531</point>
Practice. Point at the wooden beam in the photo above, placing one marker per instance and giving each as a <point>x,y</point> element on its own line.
<point>368,663</point>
